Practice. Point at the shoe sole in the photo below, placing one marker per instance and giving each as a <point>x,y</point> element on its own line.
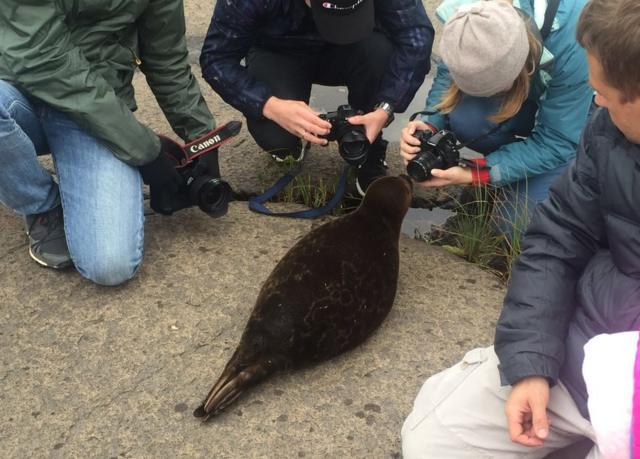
<point>360,191</point>
<point>45,265</point>
<point>359,188</point>
<point>281,160</point>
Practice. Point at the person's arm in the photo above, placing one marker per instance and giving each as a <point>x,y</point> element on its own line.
<point>411,32</point>
<point>231,34</point>
<point>164,56</point>
<point>565,232</point>
<point>440,85</point>
<point>36,45</point>
<point>561,116</point>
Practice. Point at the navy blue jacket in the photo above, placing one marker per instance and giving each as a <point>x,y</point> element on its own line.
<point>236,26</point>
<point>579,272</point>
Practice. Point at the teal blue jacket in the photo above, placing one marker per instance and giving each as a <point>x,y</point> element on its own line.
<point>560,88</point>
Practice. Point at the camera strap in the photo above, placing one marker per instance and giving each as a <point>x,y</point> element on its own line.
<point>207,142</point>
<point>256,203</point>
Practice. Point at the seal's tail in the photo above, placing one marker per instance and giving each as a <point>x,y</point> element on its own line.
<point>233,382</point>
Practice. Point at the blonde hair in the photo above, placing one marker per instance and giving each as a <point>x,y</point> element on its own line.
<point>513,98</point>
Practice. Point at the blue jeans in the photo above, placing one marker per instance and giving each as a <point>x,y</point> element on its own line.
<point>101,196</point>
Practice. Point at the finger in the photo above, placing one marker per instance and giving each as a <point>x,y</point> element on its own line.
<point>514,422</point>
<point>433,183</point>
<point>539,418</point>
<point>408,154</point>
<point>517,432</point>
<point>408,138</point>
<point>307,126</point>
<point>311,117</point>
<point>372,133</point>
<point>358,119</point>
<point>440,173</point>
<point>527,440</point>
<point>419,125</point>
<point>306,135</point>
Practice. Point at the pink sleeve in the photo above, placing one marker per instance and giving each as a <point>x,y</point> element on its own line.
<point>635,419</point>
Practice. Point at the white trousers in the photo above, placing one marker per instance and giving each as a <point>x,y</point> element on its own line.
<point>459,414</point>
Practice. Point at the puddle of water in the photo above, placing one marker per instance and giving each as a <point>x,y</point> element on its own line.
<point>419,221</point>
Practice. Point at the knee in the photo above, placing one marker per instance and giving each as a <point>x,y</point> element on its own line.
<point>414,442</point>
<point>9,96</point>
<point>110,270</point>
<point>374,54</point>
<point>271,137</point>
<point>419,427</point>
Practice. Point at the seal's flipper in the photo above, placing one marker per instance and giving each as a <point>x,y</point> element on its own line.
<point>232,383</point>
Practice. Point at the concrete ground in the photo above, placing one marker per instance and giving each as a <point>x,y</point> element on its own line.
<point>101,372</point>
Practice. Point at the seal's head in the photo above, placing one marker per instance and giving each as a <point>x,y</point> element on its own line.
<point>389,196</point>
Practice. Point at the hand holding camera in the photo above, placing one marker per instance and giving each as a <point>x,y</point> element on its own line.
<point>433,157</point>
<point>297,118</point>
<point>188,175</point>
<point>166,185</point>
<point>353,143</point>
<point>409,142</point>
<point>437,151</point>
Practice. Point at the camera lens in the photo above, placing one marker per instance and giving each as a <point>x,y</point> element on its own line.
<point>437,151</point>
<point>354,152</point>
<point>211,194</point>
<point>419,168</point>
<point>353,144</point>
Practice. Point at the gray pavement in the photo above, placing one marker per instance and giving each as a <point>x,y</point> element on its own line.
<point>115,372</point>
<point>101,372</point>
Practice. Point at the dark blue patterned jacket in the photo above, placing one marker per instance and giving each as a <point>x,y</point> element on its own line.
<point>238,25</point>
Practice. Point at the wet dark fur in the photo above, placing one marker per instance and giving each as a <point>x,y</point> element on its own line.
<point>326,295</point>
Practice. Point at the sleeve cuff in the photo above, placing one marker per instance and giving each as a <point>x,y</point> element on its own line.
<point>480,173</point>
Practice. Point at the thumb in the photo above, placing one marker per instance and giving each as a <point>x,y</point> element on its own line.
<point>438,173</point>
<point>357,119</point>
<point>539,418</point>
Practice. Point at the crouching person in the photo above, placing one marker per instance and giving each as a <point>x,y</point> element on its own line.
<point>578,276</point>
<point>65,89</point>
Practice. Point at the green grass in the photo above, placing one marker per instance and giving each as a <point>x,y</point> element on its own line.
<point>309,191</point>
<point>473,232</point>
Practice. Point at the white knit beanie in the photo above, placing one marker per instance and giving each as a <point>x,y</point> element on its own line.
<point>485,46</point>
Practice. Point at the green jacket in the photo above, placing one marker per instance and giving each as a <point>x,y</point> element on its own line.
<point>79,57</point>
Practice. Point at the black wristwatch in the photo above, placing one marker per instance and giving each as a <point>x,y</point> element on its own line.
<point>388,108</point>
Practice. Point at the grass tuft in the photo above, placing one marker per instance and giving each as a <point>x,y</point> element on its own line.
<point>481,232</point>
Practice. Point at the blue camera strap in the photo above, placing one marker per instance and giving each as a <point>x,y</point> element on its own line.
<point>256,203</point>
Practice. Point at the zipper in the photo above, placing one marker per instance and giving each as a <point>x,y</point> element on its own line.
<point>136,60</point>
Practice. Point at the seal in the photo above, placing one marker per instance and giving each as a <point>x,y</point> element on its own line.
<point>327,295</point>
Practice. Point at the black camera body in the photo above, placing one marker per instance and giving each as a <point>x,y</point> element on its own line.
<point>437,151</point>
<point>197,163</point>
<point>353,144</point>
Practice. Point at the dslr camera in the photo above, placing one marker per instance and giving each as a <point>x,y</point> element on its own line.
<point>437,151</point>
<point>205,188</point>
<point>353,144</point>
<point>197,163</point>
